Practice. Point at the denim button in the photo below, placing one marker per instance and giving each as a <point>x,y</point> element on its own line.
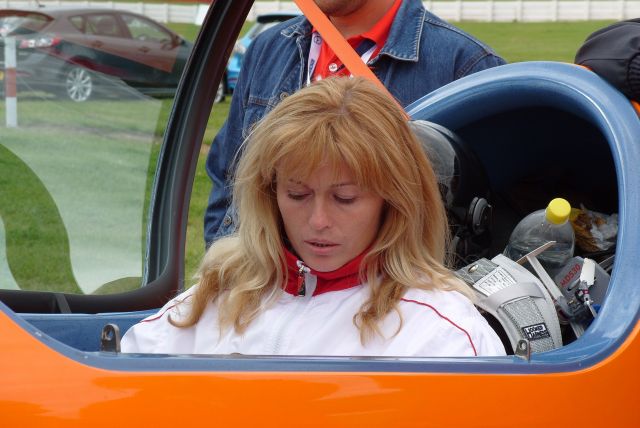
<point>227,220</point>
<point>283,96</point>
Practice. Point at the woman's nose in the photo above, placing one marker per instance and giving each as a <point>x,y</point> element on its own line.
<point>319,218</point>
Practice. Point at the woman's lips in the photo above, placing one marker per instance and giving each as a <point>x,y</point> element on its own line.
<point>320,247</point>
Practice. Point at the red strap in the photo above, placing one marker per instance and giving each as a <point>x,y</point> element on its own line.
<point>338,44</point>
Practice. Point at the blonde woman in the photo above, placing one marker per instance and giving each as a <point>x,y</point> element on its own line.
<point>340,248</point>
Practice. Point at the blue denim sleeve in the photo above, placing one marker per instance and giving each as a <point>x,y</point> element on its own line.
<point>221,156</point>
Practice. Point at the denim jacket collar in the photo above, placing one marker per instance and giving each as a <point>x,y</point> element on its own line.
<point>404,38</point>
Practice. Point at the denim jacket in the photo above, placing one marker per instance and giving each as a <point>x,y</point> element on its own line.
<point>422,53</point>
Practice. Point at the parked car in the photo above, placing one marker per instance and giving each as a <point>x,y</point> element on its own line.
<point>93,227</point>
<point>263,22</point>
<point>77,52</point>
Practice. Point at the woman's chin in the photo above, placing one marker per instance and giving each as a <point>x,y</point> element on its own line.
<point>324,263</point>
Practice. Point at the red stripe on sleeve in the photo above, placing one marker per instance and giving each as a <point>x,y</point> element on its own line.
<point>475,353</point>
<point>159,315</point>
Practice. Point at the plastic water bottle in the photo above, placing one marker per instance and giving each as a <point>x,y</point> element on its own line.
<point>540,227</point>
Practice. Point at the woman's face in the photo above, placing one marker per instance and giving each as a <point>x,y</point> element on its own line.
<point>328,220</point>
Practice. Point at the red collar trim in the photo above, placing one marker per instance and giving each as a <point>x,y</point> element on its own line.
<point>380,32</point>
<point>342,278</point>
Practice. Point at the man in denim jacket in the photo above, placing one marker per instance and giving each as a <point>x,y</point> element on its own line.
<point>421,54</point>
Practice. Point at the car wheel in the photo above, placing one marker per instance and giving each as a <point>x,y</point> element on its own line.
<point>220,93</point>
<point>78,83</point>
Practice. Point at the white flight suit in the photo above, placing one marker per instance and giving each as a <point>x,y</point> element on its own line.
<point>435,323</point>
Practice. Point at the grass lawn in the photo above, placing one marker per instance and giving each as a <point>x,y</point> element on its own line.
<point>534,41</point>
<point>103,132</point>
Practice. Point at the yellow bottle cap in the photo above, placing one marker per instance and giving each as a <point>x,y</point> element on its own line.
<point>558,211</point>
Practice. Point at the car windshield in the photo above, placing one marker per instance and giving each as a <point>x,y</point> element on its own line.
<point>79,139</point>
<point>22,24</point>
<point>78,176</point>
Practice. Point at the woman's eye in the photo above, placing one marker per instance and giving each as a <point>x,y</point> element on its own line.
<point>297,196</point>
<point>345,199</point>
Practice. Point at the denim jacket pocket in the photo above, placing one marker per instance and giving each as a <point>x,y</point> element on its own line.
<point>257,108</point>
<point>253,114</point>
<point>229,223</point>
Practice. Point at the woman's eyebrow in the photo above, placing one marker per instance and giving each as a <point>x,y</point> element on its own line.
<point>347,183</point>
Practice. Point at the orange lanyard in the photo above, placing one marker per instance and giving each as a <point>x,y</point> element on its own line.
<point>339,44</point>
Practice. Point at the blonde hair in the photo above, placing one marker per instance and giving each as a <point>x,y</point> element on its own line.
<point>338,121</point>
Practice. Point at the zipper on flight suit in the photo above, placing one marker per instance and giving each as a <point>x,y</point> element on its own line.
<point>282,328</point>
<point>302,269</point>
